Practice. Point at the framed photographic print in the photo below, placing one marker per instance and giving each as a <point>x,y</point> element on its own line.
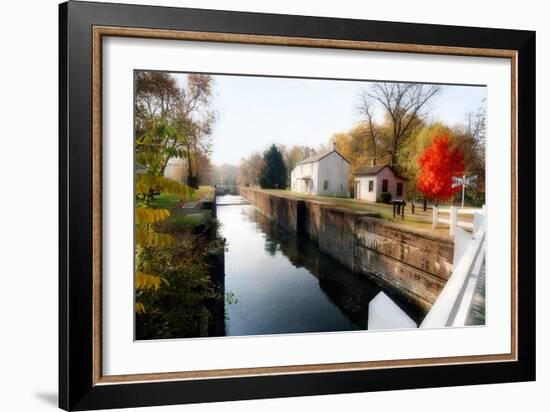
<point>256,205</point>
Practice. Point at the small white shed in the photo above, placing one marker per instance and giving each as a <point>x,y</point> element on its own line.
<point>372,181</point>
<point>324,174</point>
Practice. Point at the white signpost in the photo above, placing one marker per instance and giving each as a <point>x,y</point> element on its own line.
<point>463,181</point>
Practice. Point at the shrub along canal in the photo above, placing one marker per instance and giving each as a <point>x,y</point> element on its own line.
<point>279,282</point>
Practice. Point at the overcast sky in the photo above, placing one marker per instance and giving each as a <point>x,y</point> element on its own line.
<point>254,112</point>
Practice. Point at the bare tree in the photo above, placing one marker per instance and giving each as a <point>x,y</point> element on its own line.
<point>477,127</point>
<point>404,104</point>
<point>366,108</point>
<point>157,94</point>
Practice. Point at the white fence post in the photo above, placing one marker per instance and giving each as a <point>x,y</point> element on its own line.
<point>454,220</point>
<point>435,216</point>
<point>478,221</point>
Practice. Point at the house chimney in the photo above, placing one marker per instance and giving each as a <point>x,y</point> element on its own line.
<point>373,162</point>
<point>333,145</point>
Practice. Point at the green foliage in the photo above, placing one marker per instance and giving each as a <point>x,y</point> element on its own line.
<point>176,308</point>
<point>160,140</point>
<point>273,172</point>
<point>172,273</point>
<point>149,186</point>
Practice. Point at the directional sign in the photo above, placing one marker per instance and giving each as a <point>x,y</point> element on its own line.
<point>463,181</point>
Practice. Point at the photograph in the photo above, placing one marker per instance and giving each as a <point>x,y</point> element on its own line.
<point>257,205</point>
<point>272,205</point>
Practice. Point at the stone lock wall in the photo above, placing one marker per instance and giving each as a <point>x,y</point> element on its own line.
<point>417,264</point>
<point>279,208</point>
<point>412,263</point>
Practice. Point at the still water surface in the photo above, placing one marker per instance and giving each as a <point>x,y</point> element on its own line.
<point>277,282</point>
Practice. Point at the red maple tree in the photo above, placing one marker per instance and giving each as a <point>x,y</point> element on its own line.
<point>438,164</point>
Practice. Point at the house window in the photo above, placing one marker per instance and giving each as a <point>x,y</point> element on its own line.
<point>399,190</point>
<point>384,185</point>
<point>325,185</point>
<point>371,185</point>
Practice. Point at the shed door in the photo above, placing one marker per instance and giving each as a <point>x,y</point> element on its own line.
<point>399,190</point>
<point>358,190</point>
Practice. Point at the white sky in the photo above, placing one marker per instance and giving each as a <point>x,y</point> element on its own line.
<point>254,112</point>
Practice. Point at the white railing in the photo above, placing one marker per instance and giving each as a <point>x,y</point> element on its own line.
<point>453,304</point>
<point>454,220</point>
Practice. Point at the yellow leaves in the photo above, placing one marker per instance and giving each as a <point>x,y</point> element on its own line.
<point>145,238</point>
<point>147,281</point>
<point>140,309</point>
<point>146,215</point>
<point>146,183</point>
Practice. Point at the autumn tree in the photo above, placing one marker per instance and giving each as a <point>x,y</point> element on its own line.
<point>157,136</point>
<point>355,148</point>
<point>438,164</point>
<point>470,137</point>
<point>273,173</point>
<point>249,170</point>
<point>195,118</point>
<point>404,106</point>
<point>414,147</point>
<point>293,155</point>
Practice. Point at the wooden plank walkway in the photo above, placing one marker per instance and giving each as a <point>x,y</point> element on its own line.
<point>476,317</point>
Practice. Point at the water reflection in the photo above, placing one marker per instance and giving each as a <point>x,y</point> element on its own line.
<point>282,283</point>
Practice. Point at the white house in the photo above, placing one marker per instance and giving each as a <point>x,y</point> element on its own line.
<point>371,182</point>
<point>324,174</point>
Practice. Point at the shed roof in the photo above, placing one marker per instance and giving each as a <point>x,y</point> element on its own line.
<point>319,156</point>
<point>374,170</point>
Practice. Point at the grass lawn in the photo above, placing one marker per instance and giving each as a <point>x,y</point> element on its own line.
<point>421,219</point>
<point>164,201</point>
<point>189,220</point>
<point>167,201</point>
<point>201,192</point>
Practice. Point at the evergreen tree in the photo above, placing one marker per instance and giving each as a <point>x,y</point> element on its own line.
<point>273,173</point>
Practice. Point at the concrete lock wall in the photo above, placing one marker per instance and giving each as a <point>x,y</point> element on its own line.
<point>412,263</point>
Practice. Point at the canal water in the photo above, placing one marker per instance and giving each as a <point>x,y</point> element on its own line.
<point>277,282</point>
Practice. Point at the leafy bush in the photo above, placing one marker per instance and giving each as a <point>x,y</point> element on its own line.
<point>177,306</point>
<point>173,279</point>
<point>385,197</point>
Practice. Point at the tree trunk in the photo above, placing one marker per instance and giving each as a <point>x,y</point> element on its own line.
<point>189,165</point>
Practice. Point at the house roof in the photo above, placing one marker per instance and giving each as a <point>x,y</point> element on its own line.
<point>319,156</point>
<point>374,170</point>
